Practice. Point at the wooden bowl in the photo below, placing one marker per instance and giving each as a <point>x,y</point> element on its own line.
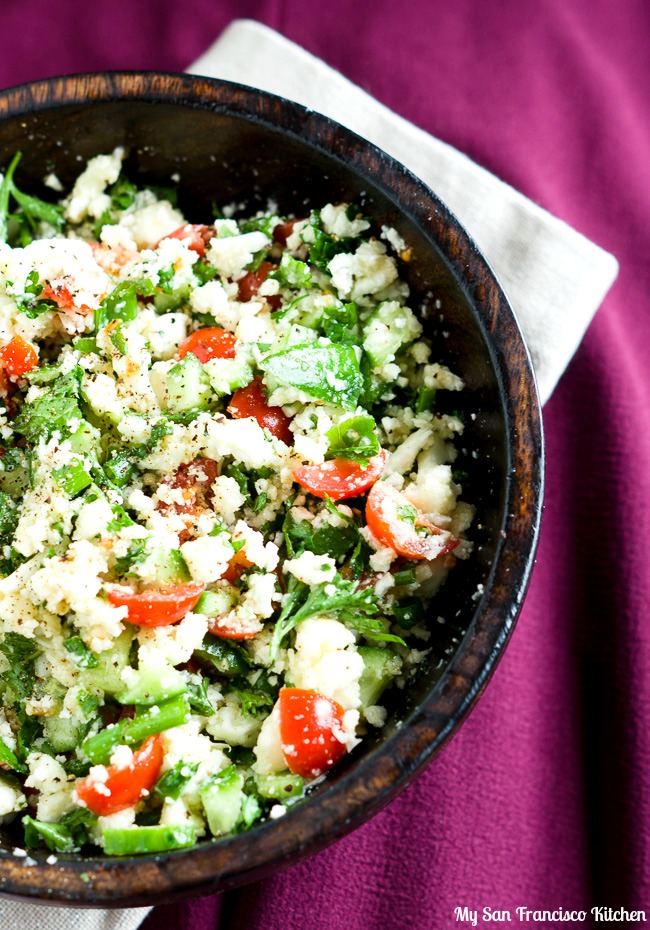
<point>230,143</point>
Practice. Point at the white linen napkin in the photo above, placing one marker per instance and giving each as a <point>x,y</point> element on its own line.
<point>554,277</point>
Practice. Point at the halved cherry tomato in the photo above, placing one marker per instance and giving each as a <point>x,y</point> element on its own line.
<point>207,343</point>
<point>195,235</point>
<point>229,631</point>
<point>395,522</point>
<point>18,357</point>
<point>311,731</point>
<point>250,401</point>
<point>124,785</point>
<point>250,284</point>
<point>340,478</point>
<point>157,607</point>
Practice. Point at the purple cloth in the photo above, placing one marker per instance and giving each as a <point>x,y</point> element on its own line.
<point>542,799</point>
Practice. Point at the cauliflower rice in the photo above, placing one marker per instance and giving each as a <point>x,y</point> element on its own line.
<point>226,496</point>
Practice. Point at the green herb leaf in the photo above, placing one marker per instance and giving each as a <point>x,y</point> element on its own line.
<point>82,655</point>
<point>136,554</point>
<point>9,515</point>
<point>330,373</point>
<point>264,224</point>
<point>120,304</point>
<point>56,837</point>
<point>52,411</point>
<point>325,247</point>
<point>9,758</point>
<point>354,438</point>
<point>5,191</point>
<point>174,780</point>
<point>21,653</point>
<point>339,598</point>
<point>37,209</point>
<point>197,695</point>
<point>292,272</point>
<point>117,339</point>
<point>163,427</point>
<point>255,698</point>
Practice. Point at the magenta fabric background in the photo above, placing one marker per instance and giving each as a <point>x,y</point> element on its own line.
<point>542,799</point>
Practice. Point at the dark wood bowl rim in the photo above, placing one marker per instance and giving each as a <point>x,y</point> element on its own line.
<point>385,771</point>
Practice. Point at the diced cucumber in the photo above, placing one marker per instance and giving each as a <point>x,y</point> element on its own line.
<point>297,335</point>
<point>73,479</point>
<point>228,374</point>
<point>107,675</point>
<point>15,482</point>
<point>62,733</point>
<point>387,329</point>
<point>215,603</point>
<point>151,684</point>
<point>119,468</point>
<point>166,302</point>
<point>134,841</point>
<point>280,787</point>
<point>222,802</point>
<point>169,566</point>
<point>227,658</point>
<point>85,439</point>
<point>188,385</point>
<point>380,666</point>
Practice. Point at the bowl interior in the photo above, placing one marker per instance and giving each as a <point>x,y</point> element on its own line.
<point>229,145</point>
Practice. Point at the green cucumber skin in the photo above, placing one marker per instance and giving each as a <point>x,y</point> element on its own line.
<point>222,803</point>
<point>376,675</point>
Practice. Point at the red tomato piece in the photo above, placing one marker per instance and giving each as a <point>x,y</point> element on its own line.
<point>340,478</point>
<point>195,235</point>
<point>159,606</point>
<point>250,401</point>
<point>238,564</point>
<point>395,522</point>
<point>125,785</point>
<point>65,298</point>
<point>282,231</point>
<point>251,282</point>
<point>207,343</point>
<point>18,357</point>
<point>311,731</point>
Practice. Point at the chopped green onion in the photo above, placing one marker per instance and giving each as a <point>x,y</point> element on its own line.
<point>134,841</point>
<point>426,400</point>
<point>73,479</point>
<point>408,612</point>
<point>172,713</point>
<point>406,576</point>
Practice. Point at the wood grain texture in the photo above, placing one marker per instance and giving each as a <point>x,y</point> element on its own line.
<point>230,143</point>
